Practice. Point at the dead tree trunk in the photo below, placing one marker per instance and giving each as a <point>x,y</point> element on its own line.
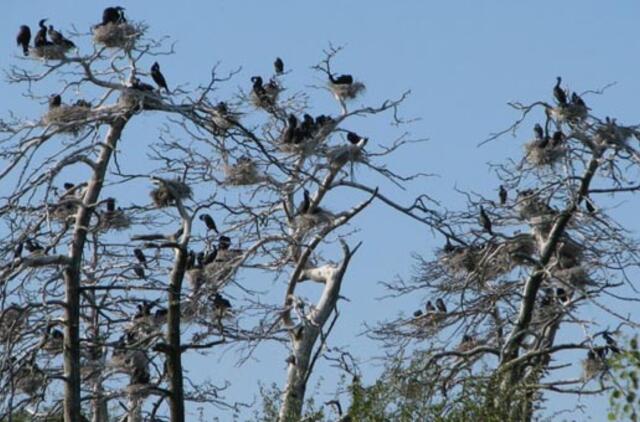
<point>72,398</point>
<point>305,335</point>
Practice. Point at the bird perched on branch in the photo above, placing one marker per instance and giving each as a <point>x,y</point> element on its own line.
<point>485,222</point>
<point>559,93</point>
<point>24,38</point>
<point>356,139</point>
<point>539,132</point>
<point>209,222</point>
<point>41,36</point>
<point>289,132</point>
<point>429,307</point>
<point>503,195</point>
<point>441,305</point>
<point>278,65</point>
<point>139,271</point>
<point>341,80</point>
<point>306,203</point>
<point>221,304</point>
<point>111,204</point>
<point>224,243</point>
<point>557,138</point>
<point>140,256</point>
<point>113,15</point>
<point>55,101</point>
<point>58,39</point>
<point>158,77</point>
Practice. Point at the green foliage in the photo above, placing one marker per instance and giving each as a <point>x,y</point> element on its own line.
<point>624,400</point>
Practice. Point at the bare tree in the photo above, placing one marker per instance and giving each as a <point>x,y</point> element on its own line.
<point>93,287</point>
<point>539,254</point>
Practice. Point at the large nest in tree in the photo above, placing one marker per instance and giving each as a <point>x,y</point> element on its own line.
<point>489,260</point>
<point>114,220</point>
<point>343,154</point>
<point>244,172</point>
<point>213,276</point>
<point>268,97</point>
<point>116,35</point>
<point>49,52</point>
<point>575,277</point>
<point>65,210</point>
<point>168,191</point>
<point>427,323</point>
<point>593,365</point>
<point>345,92</point>
<point>539,154</point>
<point>71,118</point>
<point>611,133</point>
<point>139,100</point>
<point>12,320</point>
<point>30,380</point>
<point>309,220</point>
<point>529,205</point>
<point>568,113</point>
<point>519,248</point>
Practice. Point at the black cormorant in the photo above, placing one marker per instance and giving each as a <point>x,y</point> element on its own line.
<point>537,129</point>
<point>224,243</point>
<point>306,203</point>
<point>211,256</point>
<point>24,38</point>
<point>158,77</point>
<point>355,139</point>
<point>141,86</point>
<point>562,295</point>
<point>221,304</point>
<point>485,222</point>
<point>55,101</point>
<point>577,101</point>
<point>557,137</point>
<point>558,92</point>
<point>140,257</point>
<point>429,307</point>
<point>590,207</point>
<point>139,271</point>
<point>17,252</point>
<point>210,223</point>
<point>111,204</point>
<point>58,39</point>
<point>191,260</point>
<point>341,80</point>
<point>33,246</point>
<point>289,132</point>
<point>278,65</point>
<point>417,313</point>
<point>441,306</point>
<point>503,195</point>
<point>41,36</point>
<point>257,84</point>
<point>611,343</point>
<point>113,15</point>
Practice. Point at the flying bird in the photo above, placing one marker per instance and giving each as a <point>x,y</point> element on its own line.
<point>503,195</point>
<point>24,38</point>
<point>485,222</point>
<point>278,65</point>
<point>158,77</point>
<point>209,222</point>
<point>558,92</point>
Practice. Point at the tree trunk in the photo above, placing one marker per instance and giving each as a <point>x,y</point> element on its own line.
<point>71,352</point>
<point>174,355</point>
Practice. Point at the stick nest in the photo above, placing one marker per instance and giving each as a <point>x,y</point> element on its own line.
<point>544,156</point>
<point>308,221</point>
<point>345,92</point>
<point>243,173</point>
<point>169,191</point>
<point>139,100</point>
<point>117,35</point>
<point>71,118</point>
<point>569,113</point>
<point>343,154</point>
<point>114,220</point>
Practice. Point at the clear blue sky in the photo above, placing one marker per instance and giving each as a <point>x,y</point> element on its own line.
<point>463,61</point>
